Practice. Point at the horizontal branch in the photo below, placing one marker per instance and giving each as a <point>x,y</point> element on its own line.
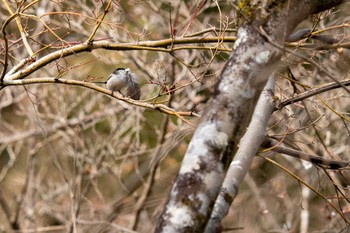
<point>345,45</point>
<point>315,159</point>
<point>159,107</point>
<point>313,92</point>
<point>159,46</point>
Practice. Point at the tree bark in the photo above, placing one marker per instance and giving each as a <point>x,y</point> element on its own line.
<point>256,54</point>
<point>248,147</point>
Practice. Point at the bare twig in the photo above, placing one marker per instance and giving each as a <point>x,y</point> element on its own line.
<point>159,46</point>
<point>312,92</point>
<point>98,23</point>
<point>317,160</point>
<point>20,28</point>
<point>310,187</point>
<point>321,69</point>
<point>158,107</point>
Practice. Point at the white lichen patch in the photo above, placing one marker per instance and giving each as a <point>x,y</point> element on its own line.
<point>190,163</point>
<point>213,179</point>
<point>198,147</point>
<point>180,215</point>
<point>242,37</point>
<point>263,57</point>
<point>220,139</point>
<point>217,138</point>
<point>205,203</point>
<point>247,92</point>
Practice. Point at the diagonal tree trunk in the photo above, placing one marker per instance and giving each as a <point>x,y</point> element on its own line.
<point>256,54</point>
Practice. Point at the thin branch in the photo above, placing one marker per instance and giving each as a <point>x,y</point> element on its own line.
<point>309,186</point>
<point>45,25</point>
<point>159,46</point>
<point>98,23</point>
<point>333,110</point>
<point>313,92</point>
<point>318,67</point>
<point>158,107</point>
<point>212,29</point>
<point>20,28</point>
<point>320,161</point>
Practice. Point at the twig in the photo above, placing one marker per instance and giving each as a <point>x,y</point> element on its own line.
<point>212,29</point>
<point>20,28</point>
<point>159,46</point>
<point>98,24</point>
<point>46,26</point>
<point>333,110</point>
<point>309,186</point>
<point>158,107</point>
<point>320,161</point>
<point>313,92</point>
<point>319,68</point>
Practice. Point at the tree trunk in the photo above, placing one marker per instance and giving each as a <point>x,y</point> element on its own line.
<point>257,52</point>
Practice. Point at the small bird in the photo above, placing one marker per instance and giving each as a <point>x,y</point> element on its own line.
<point>124,78</point>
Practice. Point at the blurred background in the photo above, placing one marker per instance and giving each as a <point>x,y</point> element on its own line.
<point>76,160</point>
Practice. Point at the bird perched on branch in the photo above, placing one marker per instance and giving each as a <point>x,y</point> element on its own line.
<point>123,78</point>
